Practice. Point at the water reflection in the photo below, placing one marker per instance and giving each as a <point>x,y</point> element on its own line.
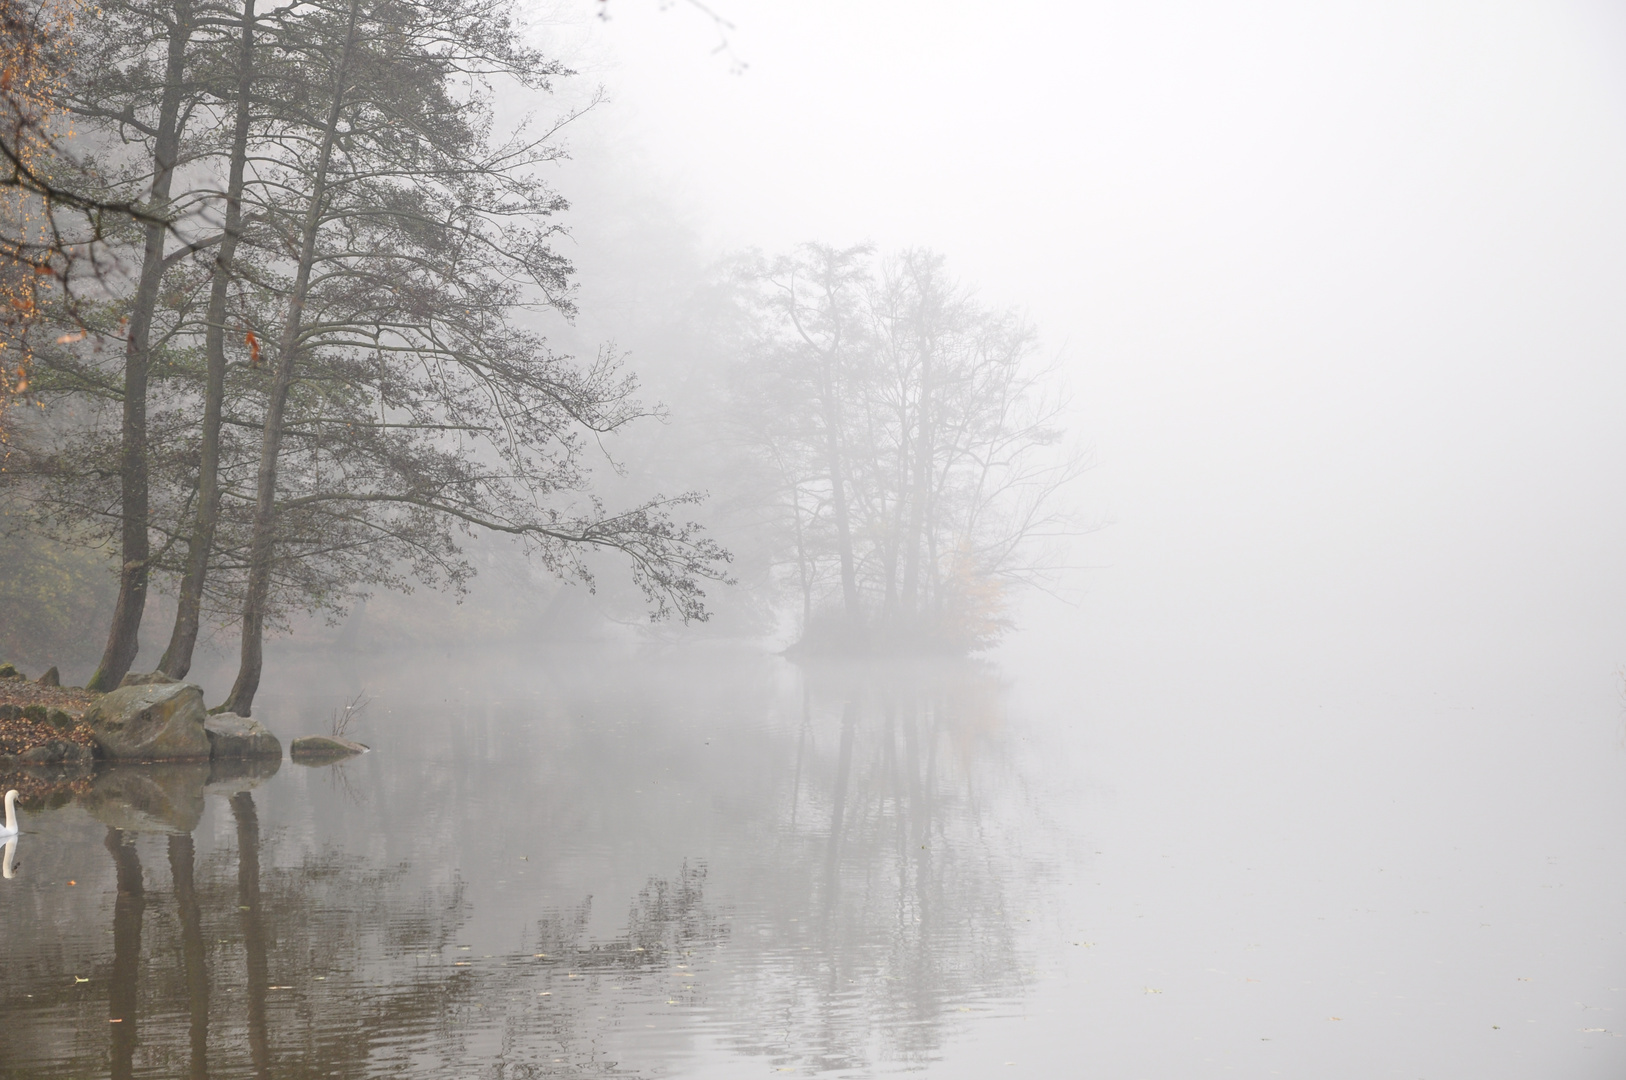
<point>123,995</point>
<point>823,885</point>
<point>906,919</point>
<point>181,865</point>
<point>248,903</point>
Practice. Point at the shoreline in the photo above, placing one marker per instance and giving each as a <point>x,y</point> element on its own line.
<point>33,716</point>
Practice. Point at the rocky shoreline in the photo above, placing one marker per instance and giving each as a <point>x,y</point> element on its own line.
<point>53,738</point>
<point>42,724</point>
<point>23,693</point>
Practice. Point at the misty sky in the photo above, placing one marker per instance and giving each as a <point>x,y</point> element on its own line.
<point>1339,285</point>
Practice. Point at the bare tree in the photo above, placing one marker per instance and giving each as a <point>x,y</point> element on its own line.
<point>818,292</point>
<point>340,83</point>
<point>325,381</point>
<point>177,658</point>
<point>915,436</point>
<point>163,132</point>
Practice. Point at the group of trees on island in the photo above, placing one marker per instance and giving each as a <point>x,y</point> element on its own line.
<point>273,280</point>
<point>916,453</point>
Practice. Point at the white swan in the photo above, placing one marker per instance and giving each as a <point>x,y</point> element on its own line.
<point>10,827</point>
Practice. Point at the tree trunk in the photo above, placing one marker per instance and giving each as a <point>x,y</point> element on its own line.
<point>934,578</point>
<point>178,657</point>
<point>241,700</point>
<point>123,640</point>
<point>804,574</point>
<point>838,501</point>
<point>889,557</point>
<point>922,478</point>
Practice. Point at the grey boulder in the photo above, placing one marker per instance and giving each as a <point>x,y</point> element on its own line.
<point>322,749</point>
<point>145,678</point>
<point>233,736</point>
<point>154,722</point>
<point>56,752</point>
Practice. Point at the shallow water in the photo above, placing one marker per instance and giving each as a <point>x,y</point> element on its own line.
<point>718,864</point>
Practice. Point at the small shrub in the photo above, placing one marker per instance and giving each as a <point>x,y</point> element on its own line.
<point>342,717</point>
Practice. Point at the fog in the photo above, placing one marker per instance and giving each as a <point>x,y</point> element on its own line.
<point>1335,287</point>
<point>1303,752</point>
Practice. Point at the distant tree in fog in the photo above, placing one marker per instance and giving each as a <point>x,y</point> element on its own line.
<point>814,301</point>
<point>919,448</point>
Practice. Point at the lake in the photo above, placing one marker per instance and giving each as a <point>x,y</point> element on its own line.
<point>711,862</point>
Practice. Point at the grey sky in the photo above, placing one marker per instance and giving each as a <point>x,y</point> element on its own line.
<point>1340,284</point>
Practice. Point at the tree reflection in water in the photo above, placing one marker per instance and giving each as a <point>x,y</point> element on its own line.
<point>181,859</point>
<point>862,907</point>
<point>248,902</point>
<point>124,996</point>
<point>906,919</point>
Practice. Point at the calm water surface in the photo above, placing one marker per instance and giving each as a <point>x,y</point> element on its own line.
<point>716,865</point>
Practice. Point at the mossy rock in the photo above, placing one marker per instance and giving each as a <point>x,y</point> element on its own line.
<point>57,752</point>
<point>323,749</point>
<point>153,722</point>
<point>233,736</point>
<point>147,678</point>
<point>9,671</point>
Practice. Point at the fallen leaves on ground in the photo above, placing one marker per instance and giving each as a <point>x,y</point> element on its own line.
<point>23,693</point>
<point>24,734</point>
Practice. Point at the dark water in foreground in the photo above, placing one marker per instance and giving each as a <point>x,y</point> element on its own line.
<point>721,865</point>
